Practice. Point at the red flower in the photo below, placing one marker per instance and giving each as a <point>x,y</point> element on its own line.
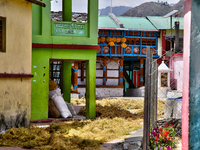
<point>167,132</point>
<point>156,138</point>
<point>167,124</point>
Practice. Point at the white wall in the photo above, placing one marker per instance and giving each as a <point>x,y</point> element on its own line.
<point>104,92</point>
<point>99,73</point>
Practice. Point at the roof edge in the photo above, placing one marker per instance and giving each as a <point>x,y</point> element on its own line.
<point>128,29</point>
<point>37,2</point>
<point>159,28</point>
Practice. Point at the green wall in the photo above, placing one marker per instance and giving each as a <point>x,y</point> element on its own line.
<point>42,26</point>
<point>42,29</point>
<point>40,81</point>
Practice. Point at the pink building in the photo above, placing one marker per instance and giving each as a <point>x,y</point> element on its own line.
<point>177,73</point>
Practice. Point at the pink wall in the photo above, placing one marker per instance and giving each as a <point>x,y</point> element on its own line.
<point>177,74</point>
<point>186,65</point>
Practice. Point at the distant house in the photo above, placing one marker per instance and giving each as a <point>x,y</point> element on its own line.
<point>15,60</point>
<point>174,56</point>
<point>128,70</point>
<point>59,48</point>
<point>120,67</point>
<point>120,60</point>
<point>163,25</point>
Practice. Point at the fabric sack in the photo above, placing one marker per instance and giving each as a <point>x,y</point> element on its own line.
<point>58,91</point>
<point>61,105</point>
<point>53,111</point>
<point>51,93</point>
<point>71,109</point>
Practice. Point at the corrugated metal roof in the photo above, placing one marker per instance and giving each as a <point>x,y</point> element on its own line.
<point>106,22</point>
<point>164,23</point>
<point>136,23</point>
<point>140,23</point>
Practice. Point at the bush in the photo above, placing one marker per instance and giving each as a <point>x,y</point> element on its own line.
<point>163,138</point>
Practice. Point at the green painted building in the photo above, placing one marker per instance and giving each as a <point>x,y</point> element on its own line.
<point>64,41</point>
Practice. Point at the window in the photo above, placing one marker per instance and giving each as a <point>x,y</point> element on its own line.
<point>55,70</point>
<point>168,45</point>
<point>2,34</point>
<point>61,13</point>
<point>164,79</point>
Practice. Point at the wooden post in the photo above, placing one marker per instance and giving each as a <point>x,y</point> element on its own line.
<point>146,128</point>
<point>75,76</point>
<point>141,71</point>
<point>121,73</point>
<point>104,72</point>
<point>154,84</point>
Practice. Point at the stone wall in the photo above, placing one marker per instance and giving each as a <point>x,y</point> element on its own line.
<point>15,120</point>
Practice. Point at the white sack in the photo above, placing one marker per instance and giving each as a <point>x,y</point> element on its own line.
<point>61,105</point>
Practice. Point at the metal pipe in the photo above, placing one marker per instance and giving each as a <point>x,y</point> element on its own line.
<point>171,24</point>
<point>111,7</point>
<point>171,49</point>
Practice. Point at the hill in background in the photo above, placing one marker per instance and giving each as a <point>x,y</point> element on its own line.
<point>155,9</point>
<point>117,10</point>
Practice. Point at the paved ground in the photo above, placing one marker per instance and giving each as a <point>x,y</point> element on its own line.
<point>134,136</point>
<point>12,148</point>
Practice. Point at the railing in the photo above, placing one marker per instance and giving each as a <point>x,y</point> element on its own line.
<point>136,41</point>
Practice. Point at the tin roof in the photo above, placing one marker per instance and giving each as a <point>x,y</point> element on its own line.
<point>136,23</point>
<point>106,22</point>
<point>129,23</point>
<point>164,23</point>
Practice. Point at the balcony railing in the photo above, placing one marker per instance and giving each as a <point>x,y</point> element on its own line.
<point>136,43</point>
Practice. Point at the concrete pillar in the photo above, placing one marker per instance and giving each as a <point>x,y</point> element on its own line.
<point>66,65</point>
<point>186,68</point>
<point>194,74</point>
<point>67,10</point>
<point>90,89</point>
<point>191,77</point>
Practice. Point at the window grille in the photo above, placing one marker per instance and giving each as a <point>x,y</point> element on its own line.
<point>55,72</point>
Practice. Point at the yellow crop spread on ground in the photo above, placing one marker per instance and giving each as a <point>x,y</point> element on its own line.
<point>113,121</point>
